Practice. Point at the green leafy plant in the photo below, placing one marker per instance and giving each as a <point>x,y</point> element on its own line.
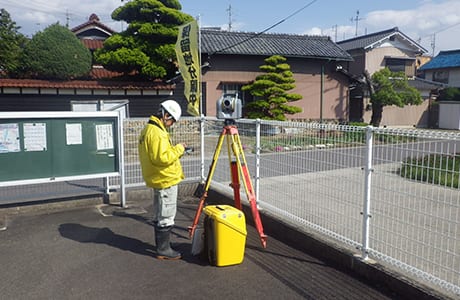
<point>56,53</point>
<point>436,169</point>
<point>449,94</point>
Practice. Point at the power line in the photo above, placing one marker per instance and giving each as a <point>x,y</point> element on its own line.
<point>269,28</point>
<point>433,36</point>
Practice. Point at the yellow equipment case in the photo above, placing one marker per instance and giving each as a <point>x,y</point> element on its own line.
<point>225,235</point>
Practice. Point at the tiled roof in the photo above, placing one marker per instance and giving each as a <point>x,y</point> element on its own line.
<point>445,59</point>
<point>424,84</point>
<point>370,40</point>
<point>83,84</point>
<point>93,21</point>
<point>92,44</point>
<point>99,72</point>
<point>247,43</point>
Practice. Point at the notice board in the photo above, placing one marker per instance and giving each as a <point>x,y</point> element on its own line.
<point>56,145</point>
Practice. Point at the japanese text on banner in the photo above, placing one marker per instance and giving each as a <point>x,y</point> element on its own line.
<point>189,65</point>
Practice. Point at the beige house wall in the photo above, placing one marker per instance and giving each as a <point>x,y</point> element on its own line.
<point>375,59</point>
<point>307,75</point>
<point>408,116</point>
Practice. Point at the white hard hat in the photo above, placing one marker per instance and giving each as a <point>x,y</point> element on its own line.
<point>172,108</point>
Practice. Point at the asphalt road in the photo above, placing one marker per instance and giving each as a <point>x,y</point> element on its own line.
<point>82,254</point>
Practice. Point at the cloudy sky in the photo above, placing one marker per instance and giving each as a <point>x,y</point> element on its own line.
<point>435,24</point>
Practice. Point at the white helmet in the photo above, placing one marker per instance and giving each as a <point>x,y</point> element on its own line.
<point>172,108</point>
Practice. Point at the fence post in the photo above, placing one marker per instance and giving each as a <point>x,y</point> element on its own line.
<point>257,175</point>
<point>202,147</point>
<point>121,147</point>
<point>367,192</point>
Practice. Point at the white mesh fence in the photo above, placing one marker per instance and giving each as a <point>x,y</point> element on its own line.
<point>316,174</point>
<point>391,195</point>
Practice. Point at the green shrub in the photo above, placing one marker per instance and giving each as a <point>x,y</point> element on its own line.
<point>449,94</point>
<point>436,169</point>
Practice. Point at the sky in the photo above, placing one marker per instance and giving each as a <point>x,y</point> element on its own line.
<point>434,24</point>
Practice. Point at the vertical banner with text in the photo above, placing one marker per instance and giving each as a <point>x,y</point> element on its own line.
<point>189,65</point>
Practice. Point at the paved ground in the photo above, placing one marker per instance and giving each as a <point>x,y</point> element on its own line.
<point>82,254</point>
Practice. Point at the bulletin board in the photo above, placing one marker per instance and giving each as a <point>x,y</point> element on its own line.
<point>54,145</point>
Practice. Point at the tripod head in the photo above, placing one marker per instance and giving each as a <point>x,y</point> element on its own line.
<point>229,122</point>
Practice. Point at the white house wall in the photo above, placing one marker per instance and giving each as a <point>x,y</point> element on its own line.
<point>454,76</point>
<point>449,115</point>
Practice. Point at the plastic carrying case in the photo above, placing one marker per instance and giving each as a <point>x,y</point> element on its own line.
<point>224,235</point>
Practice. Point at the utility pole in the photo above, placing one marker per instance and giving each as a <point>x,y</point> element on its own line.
<point>334,28</point>
<point>67,18</point>
<point>356,19</point>
<point>229,10</point>
<point>433,44</point>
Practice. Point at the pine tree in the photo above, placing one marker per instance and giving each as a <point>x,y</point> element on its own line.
<point>146,48</point>
<point>389,88</point>
<point>272,101</point>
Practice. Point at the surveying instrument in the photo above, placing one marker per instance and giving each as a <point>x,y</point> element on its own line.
<point>229,109</point>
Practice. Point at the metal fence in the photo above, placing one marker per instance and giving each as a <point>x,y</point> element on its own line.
<point>391,195</point>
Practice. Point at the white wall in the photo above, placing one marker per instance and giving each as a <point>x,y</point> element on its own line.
<point>449,114</point>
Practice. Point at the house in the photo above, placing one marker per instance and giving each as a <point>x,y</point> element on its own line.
<point>392,49</point>
<point>444,68</point>
<point>389,48</point>
<point>234,59</point>
<point>99,92</point>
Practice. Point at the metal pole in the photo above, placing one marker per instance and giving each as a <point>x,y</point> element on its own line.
<point>107,185</point>
<point>257,175</point>
<point>200,81</point>
<point>321,95</point>
<point>121,160</point>
<point>367,192</point>
<point>202,119</point>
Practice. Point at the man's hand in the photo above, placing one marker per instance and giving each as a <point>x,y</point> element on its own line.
<point>189,150</point>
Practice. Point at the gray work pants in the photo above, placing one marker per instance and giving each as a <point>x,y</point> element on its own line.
<point>164,206</point>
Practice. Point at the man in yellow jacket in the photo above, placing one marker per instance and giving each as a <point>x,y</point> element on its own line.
<point>162,171</point>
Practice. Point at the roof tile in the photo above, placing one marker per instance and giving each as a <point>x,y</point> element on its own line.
<point>445,59</point>
<point>365,41</point>
<point>82,84</point>
<point>249,43</point>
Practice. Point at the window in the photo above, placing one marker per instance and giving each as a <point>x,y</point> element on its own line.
<point>396,65</point>
<point>441,76</point>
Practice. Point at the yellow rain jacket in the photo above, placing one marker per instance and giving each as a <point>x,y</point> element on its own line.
<point>159,159</point>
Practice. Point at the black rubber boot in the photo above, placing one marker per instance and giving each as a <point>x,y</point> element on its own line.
<point>162,240</point>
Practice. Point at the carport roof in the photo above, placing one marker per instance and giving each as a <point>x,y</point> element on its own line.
<point>288,45</point>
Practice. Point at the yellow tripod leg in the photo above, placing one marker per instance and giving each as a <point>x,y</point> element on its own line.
<point>244,171</point>
<point>212,168</point>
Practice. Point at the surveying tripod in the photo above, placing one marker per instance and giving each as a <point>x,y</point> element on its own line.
<point>237,167</point>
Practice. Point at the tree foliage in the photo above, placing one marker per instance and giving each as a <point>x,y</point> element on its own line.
<point>390,88</point>
<point>56,53</point>
<point>270,91</point>
<point>11,44</point>
<point>449,94</point>
<point>146,47</point>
